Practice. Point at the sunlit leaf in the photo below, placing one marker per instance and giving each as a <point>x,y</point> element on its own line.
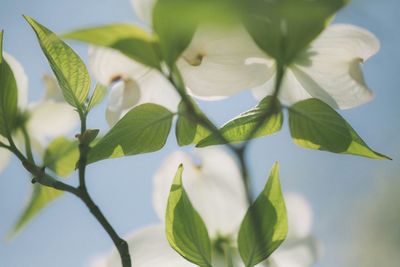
<point>240,128</point>
<point>8,95</point>
<point>265,224</point>
<point>128,39</point>
<point>315,125</point>
<point>186,231</point>
<point>100,92</point>
<point>61,156</point>
<point>68,68</point>
<point>143,129</point>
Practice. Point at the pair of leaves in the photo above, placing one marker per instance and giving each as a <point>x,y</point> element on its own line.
<point>263,228</point>
<point>69,69</point>
<point>8,95</point>
<point>315,125</point>
<point>283,28</point>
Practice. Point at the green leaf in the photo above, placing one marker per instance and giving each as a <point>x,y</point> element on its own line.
<point>188,131</point>
<point>185,130</point>
<point>174,33</point>
<point>8,95</point>
<point>128,39</point>
<point>315,125</point>
<point>284,28</point>
<point>185,229</point>
<point>68,68</point>
<point>41,196</point>
<point>100,92</point>
<point>61,156</point>
<point>239,129</point>
<point>143,129</point>
<point>265,224</point>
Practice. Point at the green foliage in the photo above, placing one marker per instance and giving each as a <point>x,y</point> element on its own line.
<point>68,68</point>
<point>315,125</point>
<point>174,33</point>
<point>41,196</point>
<point>265,224</point>
<point>283,28</point>
<point>185,229</point>
<point>143,129</point>
<point>8,95</point>
<point>240,128</point>
<point>185,129</point>
<point>100,92</point>
<point>128,39</point>
<point>188,131</point>
<point>61,156</point>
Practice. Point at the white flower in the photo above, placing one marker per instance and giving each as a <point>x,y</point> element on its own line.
<point>132,83</point>
<point>218,62</point>
<point>214,186</point>
<point>329,69</point>
<point>215,64</point>
<point>51,117</point>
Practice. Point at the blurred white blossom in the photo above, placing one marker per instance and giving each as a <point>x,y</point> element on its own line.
<point>48,118</point>
<point>213,183</point>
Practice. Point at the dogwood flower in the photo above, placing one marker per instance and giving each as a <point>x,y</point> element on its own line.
<point>329,69</point>
<point>214,186</point>
<point>214,65</point>
<point>217,62</point>
<point>46,119</point>
<point>131,83</point>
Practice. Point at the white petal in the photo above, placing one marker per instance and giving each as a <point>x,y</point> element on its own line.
<point>213,184</point>
<point>136,84</point>
<point>124,95</point>
<point>331,68</point>
<point>108,65</point>
<point>144,9</point>
<point>156,89</point>
<point>218,64</point>
<point>20,78</point>
<point>291,90</point>
<point>300,216</point>
<point>5,156</point>
<point>53,91</point>
<point>51,119</point>
<point>148,248</point>
<point>303,253</point>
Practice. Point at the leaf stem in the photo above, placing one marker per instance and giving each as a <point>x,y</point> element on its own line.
<point>83,194</point>
<point>28,147</point>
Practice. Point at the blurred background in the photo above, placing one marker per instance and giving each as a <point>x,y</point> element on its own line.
<point>356,201</point>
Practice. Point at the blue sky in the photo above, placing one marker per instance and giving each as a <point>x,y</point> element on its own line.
<point>65,234</point>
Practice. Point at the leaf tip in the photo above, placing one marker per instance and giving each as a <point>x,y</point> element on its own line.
<point>178,176</point>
